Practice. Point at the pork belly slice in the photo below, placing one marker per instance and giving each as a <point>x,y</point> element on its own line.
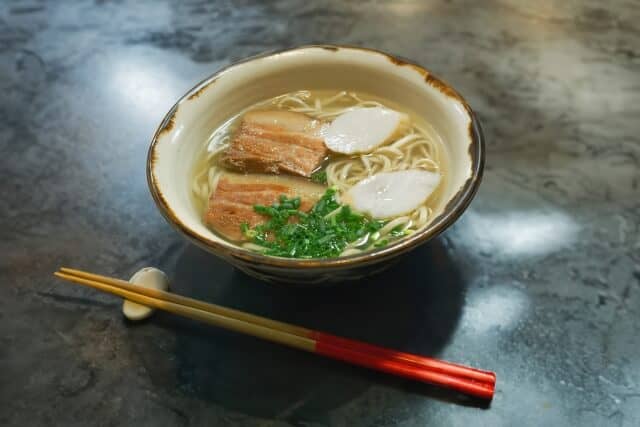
<point>277,142</point>
<point>231,202</point>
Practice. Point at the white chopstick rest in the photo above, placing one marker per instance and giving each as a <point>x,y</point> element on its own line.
<point>147,277</point>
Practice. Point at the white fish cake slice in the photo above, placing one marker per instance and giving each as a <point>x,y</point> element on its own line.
<point>147,277</point>
<point>363,129</point>
<point>390,194</point>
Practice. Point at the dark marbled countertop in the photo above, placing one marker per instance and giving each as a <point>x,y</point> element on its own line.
<point>539,280</point>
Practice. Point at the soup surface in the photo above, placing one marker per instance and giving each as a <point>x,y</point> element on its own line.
<point>316,174</point>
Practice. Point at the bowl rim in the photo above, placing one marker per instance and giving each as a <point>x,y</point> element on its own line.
<point>451,212</point>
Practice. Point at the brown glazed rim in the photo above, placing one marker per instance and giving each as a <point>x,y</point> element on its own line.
<point>454,208</point>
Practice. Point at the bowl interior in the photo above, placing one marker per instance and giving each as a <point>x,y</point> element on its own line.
<point>217,99</point>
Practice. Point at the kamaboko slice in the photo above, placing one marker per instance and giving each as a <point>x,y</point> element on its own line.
<point>363,129</point>
<point>391,194</point>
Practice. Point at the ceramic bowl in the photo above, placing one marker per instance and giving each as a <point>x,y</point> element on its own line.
<point>216,99</point>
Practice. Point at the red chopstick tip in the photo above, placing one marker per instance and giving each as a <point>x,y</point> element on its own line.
<point>378,361</point>
<point>423,362</point>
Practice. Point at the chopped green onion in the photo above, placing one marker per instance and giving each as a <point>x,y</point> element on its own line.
<point>320,177</point>
<point>289,232</point>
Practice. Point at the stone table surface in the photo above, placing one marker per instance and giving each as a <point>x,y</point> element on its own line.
<point>538,281</point>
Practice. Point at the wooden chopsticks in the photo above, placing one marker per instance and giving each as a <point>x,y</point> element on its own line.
<point>461,378</point>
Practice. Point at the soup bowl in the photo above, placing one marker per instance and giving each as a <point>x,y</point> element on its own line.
<point>215,100</point>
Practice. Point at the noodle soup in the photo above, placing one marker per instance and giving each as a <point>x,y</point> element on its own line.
<point>317,174</point>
